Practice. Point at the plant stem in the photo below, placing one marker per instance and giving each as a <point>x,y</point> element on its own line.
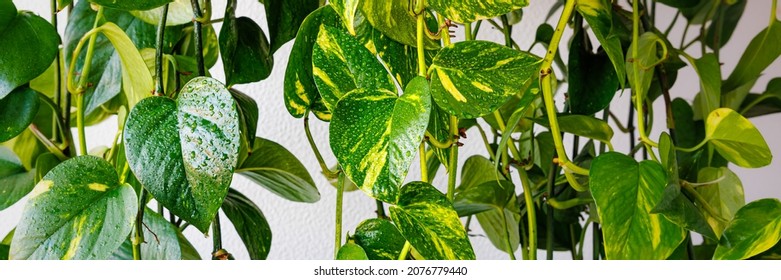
<point>468,35</point>
<point>80,124</point>
<point>160,90</point>
<point>423,163</point>
<point>198,30</point>
<point>552,171</point>
<point>338,223</point>
<point>57,75</point>
<point>530,213</point>
<point>139,226</point>
<point>420,47</point>
<point>485,142</point>
<point>51,147</point>
<point>434,142</point>
<point>80,88</point>
<point>453,164</point>
<point>216,235</point>
<point>326,171</point>
<point>672,24</point>
<point>704,203</point>
<point>710,15</point>
<point>507,235</point>
<point>405,251</point>
<point>508,41</point>
<point>639,95</point>
<point>380,209</point>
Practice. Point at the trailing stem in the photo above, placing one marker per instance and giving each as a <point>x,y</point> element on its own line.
<point>160,90</point>
<point>139,226</point>
<point>326,171</point>
<point>530,213</point>
<point>338,223</point>
<point>198,31</point>
<point>217,250</point>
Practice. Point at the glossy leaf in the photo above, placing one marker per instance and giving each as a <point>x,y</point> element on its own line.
<point>244,50</point>
<point>736,139</point>
<point>755,228</point>
<point>380,239</point>
<point>160,240</point>
<point>427,219</point>
<point>599,16</point>
<point>39,43</point>
<point>724,194</point>
<point>346,10</point>
<point>467,11</point>
<point>439,127</point>
<point>17,111</point>
<point>301,92</point>
<point>585,126</point>
<point>78,211</point>
<point>393,18</point>
<point>7,13</point>
<point>473,78</point>
<point>250,224</point>
<point>709,71</point>
<point>647,58</point>
<point>625,191</point>
<point>759,54</point>
<point>43,164</point>
<point>273,167</point>
<point>591,79</point>
<point>248,113</point>
<point>179,12</point>
<point>15,181</point>
<point>284,17</point>
<point>375,136</point>
<point>131,5</point>
<point>351,251</point>
<point>184,152</point>
<point>341,64</point>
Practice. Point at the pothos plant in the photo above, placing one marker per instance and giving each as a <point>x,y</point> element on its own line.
<point>387,78</point>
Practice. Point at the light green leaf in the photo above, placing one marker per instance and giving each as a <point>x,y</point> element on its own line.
<point>648,44</point>
<point>625,191</point>
<point>467,11</point>
<point>184,152</point>
<point>724,194</point>
<point>284,18</point>
<point>17,111</point>
<point>709,71</point>
<point>341,64</point>
<point>346,10</point>
<point>760,53</point>
<point>250,224</point>
<point>473,78</point>
<point>244,49</point>
<point>584,126</point>
<point>179,12</point>
<point>482,188</point>
<point>380,239</point>
<point>351,251</point>
<point>375,135</point>
<point>500,225</point>
<point>29,46</point>
<point>599,14</point>
<point>273,167</point>
<point>301,93</point>
<point>78,211</point>
<point>427,219</point>
<point>160,240</point>
<point>394,19</point>
<point>736,139</point>
<point>15,180</point>
<point>755,228</point>
<point>131,5</point>
<point>136,80</point>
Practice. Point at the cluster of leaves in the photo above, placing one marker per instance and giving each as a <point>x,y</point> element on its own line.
<point>390,86</point>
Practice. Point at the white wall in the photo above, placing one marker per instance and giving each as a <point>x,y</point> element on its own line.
<point>305,231</point>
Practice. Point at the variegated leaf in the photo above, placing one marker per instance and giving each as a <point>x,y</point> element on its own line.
<point>380,239</point>
<point>466,11</point>
<point>755,228</point>
<point>301,93</point>
<point>473,78</point>
<point>737,139</point>
<point>346,9</point>
<point>395,18</point>
<point>78,211</point>
<point>599,16</point>
<point>428,221</point>
<point>341,64</point>
<point>374,136</point>
<point>724,194</point>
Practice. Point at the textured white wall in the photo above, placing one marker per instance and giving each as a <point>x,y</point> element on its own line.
<point>305,231</point>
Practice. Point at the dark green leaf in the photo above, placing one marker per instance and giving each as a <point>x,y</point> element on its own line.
<point>15,180</point>
<point>679,3</point>
<point>78,211</point>
<point>284,17</point>
<point>248,111</point>
<point>427,219</point>
<point>351,251</point>
<point>768,102</point>
<point>467,11</point>
<point>131,5</point>
<point>184,152</point>
<point>29,46</point>
<point>709,71</point>
<point>500,225</point>
<point>301,93</point>
<point>380,239</point>
<point>251,225</point>
<point>729,15</point>
<point>160,240</point>
<point>598,14</point>
<point>544,33</point>
<point>45,163</point>
<point>7,14</point>
<point>17,111</point>
<point>273,167</point>
<point>723,191</point>
<point>244,50</point>
<point>585,126</point>
<point>473,78</point>
<point>393,18</point>
<point>592,79</point>
<point>375,136</point>
<point>736,139</point>
<point>211,48</point>
<point>625,191</point>
<point>341,64</point>
<point>760,53</point>
<point>755,228</point>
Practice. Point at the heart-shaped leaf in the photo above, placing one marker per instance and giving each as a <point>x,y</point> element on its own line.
<point>346,9</point>
<point>78,211</point>
<point>244,50</point>
<point>160,240</point>
<point>351,251</point>
<point>29,46</point>
<point>341,64</point>
<point>723,191</point>
<point>15,180</point>
<point>625,192</point>
<point>427,219</point>
<point>473,78</point>
<point>755,228</point>
<point>736,139</point>
<point>273,167</point>
<point>380,239</point>
<point>374,136</point>
<point>17,111</point>
<point>301,93</point>
<point>284,18</point>
<point>250,224</point>
<point>467,11</point>
<point>592,80</point>
<point>184,152</point>
<point>131,5</point>
<point>395,19</point>
<point>599,15</point>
